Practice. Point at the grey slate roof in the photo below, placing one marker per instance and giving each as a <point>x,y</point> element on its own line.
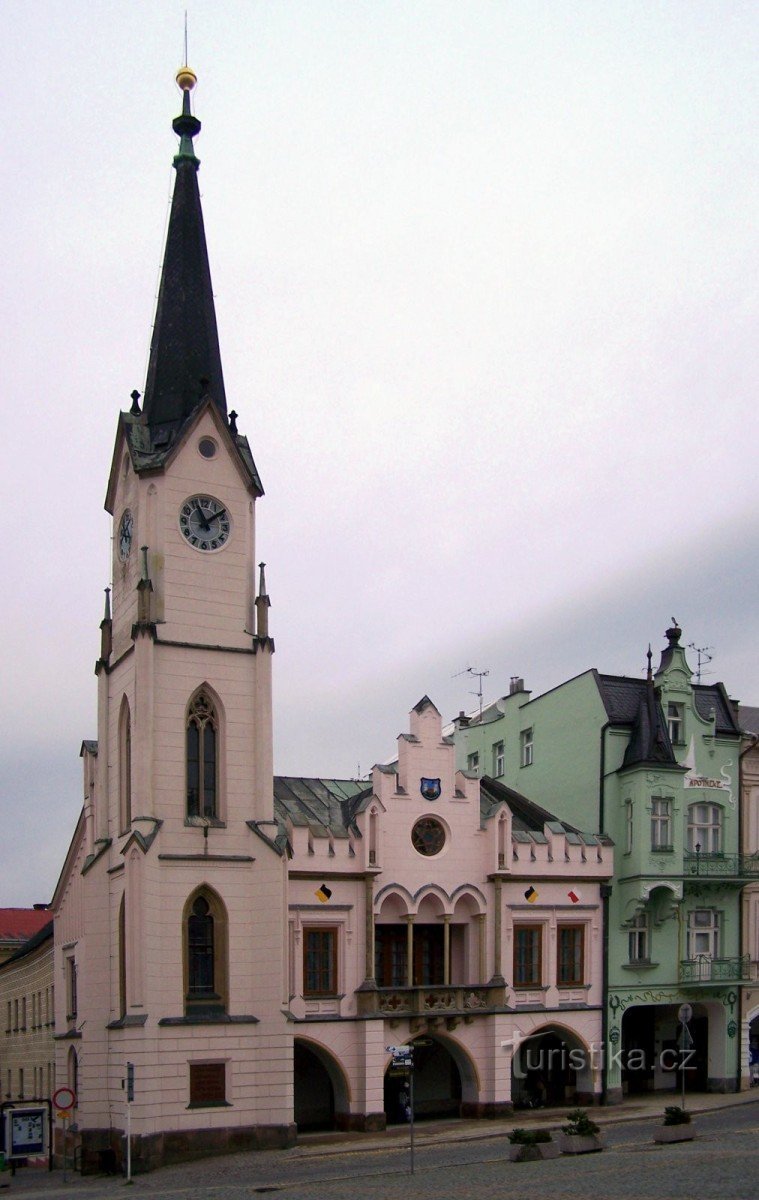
<point>326,806</point>
<point>748,718</point>
<point>650,741</point>
<point>622,696</point>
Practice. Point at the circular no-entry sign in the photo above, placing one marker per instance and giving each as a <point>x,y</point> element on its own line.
<point>64,1099</point>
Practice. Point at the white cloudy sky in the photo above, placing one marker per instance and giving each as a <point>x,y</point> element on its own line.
<point>486,288</point>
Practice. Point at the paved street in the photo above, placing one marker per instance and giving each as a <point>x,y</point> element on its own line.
<point>460,1162</point>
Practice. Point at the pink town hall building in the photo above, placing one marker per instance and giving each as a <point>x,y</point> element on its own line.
<point>252,944</point>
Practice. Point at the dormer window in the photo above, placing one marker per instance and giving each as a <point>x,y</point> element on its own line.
<point>676,723</point>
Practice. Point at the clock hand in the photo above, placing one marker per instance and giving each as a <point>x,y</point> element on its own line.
<point>203,517</point>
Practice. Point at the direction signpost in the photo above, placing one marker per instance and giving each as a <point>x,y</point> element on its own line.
<point>64,1099</point>
<point>684,1014</point>
<point>403,1063</point>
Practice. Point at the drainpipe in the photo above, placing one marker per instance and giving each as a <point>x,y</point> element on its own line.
<point>605,897</point>
<point>602,780</point>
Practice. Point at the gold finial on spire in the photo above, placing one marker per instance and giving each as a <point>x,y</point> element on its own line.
<point>186,79</point>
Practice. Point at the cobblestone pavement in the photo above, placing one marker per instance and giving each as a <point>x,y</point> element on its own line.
<point>458,1161</point>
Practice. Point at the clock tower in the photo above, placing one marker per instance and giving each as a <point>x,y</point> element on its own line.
<point>172,924</point>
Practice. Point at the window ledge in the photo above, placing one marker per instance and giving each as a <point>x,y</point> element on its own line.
<point>215,1019</point>
<point>642,964</point>
<point>662,849</point>
<point>130,1021</point>
<point>205,822</point>
<point>209,1104</point>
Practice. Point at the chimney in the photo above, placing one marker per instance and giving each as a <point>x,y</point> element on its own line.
<point>516,684</point>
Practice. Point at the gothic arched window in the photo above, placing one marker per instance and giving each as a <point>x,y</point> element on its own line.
<point>202,757</point>
<point>125,767</point>
<point>205,954</point>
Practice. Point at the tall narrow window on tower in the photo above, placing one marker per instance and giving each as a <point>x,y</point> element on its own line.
<point>202,757</point>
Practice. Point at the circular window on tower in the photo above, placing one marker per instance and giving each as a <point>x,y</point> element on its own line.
<point>428,836</point>
<point>207,447</point>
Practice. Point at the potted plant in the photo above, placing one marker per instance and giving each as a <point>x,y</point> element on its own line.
<point>580,1135</point>
<point>528,1145</point>
<point>676,1127</point>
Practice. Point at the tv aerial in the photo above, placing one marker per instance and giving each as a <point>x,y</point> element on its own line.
<point>479,676</point>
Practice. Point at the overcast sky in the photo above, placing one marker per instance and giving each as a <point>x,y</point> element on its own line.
<point>486,285</point>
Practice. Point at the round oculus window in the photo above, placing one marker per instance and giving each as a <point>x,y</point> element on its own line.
<point>207,447</point>
<point>428,836</point>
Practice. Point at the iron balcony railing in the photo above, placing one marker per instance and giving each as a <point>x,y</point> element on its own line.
<point>720,866</point>
<point>704,969</point>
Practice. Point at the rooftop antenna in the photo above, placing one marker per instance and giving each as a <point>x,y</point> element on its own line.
<point>480,675</point>
<point>703,657</point>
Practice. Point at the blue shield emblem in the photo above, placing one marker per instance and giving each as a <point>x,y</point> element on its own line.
<point>430,788</point>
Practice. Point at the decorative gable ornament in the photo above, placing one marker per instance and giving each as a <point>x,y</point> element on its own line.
<point>430,788</point>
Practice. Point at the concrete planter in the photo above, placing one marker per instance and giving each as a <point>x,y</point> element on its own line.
<point>580,1143</point>
<point>674,1133</point>
<point>534,1153</point>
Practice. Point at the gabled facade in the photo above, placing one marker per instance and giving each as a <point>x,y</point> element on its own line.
<point>653,763</point>
<point>431,908</point>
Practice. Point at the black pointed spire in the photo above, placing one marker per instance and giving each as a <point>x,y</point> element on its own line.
<point>185,345</point>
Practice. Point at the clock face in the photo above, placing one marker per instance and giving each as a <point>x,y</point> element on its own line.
<point>126,528</point>
<point>204,522</point>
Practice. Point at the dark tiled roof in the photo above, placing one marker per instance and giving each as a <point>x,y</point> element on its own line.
<point>650,742</point>
<point>185,346</point>
<point>622,697</point>
<point>324,805</point>
<point>527,817</point>
<point>748,718</point>
<point>713,696</point>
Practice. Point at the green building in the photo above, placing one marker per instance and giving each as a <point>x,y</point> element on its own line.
<point>652,763</point>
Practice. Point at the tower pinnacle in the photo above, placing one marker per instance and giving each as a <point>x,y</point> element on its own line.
<point>185,344</point>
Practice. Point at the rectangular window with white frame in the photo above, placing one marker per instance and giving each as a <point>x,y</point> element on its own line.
<point>473,762</point>
<point>526,747</point>
<point>661,823</point>
<point>499,760</point>
<point>676,723</point>
<point>704,834</point>
<point>638,949</point>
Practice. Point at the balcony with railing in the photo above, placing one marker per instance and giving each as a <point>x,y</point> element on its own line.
<point>437,1001</point>
<point>721,866</point>
<point>704,969</point>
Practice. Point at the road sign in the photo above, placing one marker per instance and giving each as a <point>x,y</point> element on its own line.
<point>64,1099</point>
<point>130,1082</point>
<point>684,1014</point>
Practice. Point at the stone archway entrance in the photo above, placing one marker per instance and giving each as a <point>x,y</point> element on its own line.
<point>437,1084</point>
<point>320,1099</point>
<point>550,1068</point>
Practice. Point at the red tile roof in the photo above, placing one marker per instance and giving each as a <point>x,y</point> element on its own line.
<point>18,924</point>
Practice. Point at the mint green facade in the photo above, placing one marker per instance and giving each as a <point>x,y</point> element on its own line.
<point>653,763</point>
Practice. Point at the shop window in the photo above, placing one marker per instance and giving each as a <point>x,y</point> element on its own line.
<point>208,1084</point>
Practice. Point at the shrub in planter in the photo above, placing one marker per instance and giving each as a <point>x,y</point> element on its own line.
<point>674,1115</point>
<point>528,1145</point>
<point>676,1127</point>
<point>580,1135</point>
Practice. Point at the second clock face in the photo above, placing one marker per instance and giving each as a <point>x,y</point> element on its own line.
<point>204,522</point>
